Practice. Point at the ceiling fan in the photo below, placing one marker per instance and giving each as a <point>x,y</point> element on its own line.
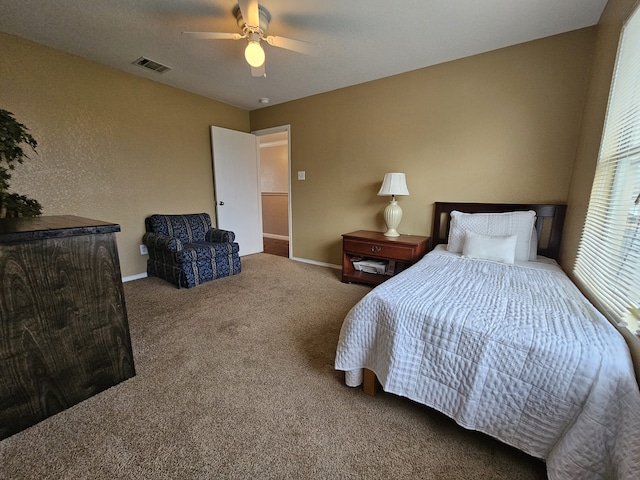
<point>253,20</point>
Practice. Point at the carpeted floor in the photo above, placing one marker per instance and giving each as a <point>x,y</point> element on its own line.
<point>235,380</point>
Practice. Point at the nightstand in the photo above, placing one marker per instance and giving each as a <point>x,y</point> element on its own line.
<point>365,252</point>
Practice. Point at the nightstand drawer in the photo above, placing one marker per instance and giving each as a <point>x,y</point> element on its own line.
<point>383,250</point>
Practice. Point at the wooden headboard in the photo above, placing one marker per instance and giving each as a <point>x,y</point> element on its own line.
<point>549,221</point>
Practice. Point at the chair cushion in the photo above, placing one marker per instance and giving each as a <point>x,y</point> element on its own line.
<point>192,252</point>
<point>187,228</point>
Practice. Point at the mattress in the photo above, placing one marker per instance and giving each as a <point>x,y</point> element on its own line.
<point>514,351</point>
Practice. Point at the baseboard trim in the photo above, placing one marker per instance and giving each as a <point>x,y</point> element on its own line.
<point>275,237</point>
<point>313,262</point>
<point>134,277</point>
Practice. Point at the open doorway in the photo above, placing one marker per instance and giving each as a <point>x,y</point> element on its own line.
<point>274,168</point>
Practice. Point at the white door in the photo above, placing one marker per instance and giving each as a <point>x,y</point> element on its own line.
<point>237,187</point>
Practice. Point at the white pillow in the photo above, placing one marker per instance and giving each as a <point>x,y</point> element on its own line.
<point>533,248</point>
<point>520,224</point>
<point>498,249</point>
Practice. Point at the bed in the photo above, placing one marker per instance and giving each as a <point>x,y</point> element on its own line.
<point>490,331</point>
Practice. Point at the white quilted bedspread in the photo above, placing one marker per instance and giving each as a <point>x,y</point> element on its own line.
<point>514,351</point>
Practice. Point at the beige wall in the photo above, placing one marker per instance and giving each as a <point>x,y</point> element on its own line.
<point>274,183</point>
<point>497,127</point>
<point>274,168</point>
<point>275,214</point>
<point>112,146</point>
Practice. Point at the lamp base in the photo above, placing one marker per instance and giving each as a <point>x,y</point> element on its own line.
<point>392,217</point>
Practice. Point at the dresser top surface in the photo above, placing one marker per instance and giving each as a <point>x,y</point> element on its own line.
<point>14,230</point>
<point>379,236</point>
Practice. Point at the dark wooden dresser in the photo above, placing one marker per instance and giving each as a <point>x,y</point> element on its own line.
<point>64,333</point>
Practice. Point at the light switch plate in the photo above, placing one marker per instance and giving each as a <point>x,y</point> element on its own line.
<point>301,175</point>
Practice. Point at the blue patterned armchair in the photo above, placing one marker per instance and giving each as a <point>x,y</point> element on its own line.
<point>186,251</point>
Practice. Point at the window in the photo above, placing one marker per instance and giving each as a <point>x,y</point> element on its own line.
<point>608,258</point>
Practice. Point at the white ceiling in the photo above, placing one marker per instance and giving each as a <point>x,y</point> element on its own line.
<point>360,40</point>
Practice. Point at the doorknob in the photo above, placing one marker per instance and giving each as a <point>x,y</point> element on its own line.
<point>220,203</point>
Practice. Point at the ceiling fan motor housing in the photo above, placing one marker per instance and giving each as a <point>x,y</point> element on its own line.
<point>263,13</point>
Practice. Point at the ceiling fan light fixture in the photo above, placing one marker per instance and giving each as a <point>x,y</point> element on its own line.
<point>254,54</point>
<point>255,32</point>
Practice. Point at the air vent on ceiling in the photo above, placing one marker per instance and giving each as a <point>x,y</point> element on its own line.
<point>151,65</point>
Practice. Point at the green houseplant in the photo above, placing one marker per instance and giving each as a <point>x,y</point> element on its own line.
<point>12,136</point>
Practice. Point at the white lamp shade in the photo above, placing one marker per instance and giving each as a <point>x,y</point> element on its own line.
<point>394,184</point>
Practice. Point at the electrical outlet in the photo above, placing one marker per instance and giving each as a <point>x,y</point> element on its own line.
<point>143,250</point>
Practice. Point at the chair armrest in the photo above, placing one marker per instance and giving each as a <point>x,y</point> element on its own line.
<point>216,235</point>
<point>162,242</point>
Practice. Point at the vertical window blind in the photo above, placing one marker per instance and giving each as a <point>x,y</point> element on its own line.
<point>608,257</point>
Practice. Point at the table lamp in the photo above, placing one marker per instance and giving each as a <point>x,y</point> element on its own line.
<point>393,184</point>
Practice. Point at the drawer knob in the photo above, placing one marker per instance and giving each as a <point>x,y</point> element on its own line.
<point>376,249</point>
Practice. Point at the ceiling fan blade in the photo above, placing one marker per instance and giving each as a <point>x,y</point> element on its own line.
<point>295,45</point>
<point>259,71</point>
<point>249,11</point>
<point>214,35</point>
